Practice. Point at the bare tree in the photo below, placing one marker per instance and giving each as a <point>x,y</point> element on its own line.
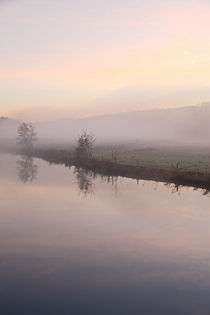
<point>84,146</point>
<point>26,135</point>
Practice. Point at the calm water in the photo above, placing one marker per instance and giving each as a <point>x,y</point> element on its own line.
<point>71,244</point>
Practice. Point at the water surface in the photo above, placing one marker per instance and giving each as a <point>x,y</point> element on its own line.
<point>71,244</point>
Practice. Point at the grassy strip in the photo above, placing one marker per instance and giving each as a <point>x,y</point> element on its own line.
<point>193,159</point>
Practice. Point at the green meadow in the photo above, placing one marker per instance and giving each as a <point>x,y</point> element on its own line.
<point>185,159</point>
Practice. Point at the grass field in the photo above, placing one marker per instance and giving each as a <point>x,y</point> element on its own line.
<point>185,159</point>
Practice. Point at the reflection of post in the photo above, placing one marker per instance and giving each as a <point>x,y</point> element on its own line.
<point>114,185</point>
<point>113,181</point>
<point>84,180</point>
<point>27,170</point>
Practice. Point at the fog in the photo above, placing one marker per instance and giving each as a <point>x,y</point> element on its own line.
<point>187,125</point>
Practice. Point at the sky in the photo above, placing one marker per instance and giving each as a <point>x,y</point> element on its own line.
<point>63,58</point>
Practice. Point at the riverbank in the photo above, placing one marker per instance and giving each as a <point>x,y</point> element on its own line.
<point>103,167</point>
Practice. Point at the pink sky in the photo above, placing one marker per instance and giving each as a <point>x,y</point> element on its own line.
<point>60,58</point>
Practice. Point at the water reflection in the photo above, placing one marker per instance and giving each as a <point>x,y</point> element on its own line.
<point>85,180</point>
<point>177,189</point>
<point>113,181</point>
<point>27,170</point>
<point>144,252</point>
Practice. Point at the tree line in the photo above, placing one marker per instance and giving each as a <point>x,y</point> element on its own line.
<point>27,136</point>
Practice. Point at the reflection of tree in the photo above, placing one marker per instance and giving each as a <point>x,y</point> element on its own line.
<point>27,170</point>
<point>84,180</point>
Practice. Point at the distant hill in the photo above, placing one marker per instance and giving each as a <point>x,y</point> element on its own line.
<point>180,124</point>
<point>187,123</point>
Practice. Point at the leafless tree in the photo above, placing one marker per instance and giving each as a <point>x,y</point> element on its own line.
<point>84,146</point>
<point>26,135</point>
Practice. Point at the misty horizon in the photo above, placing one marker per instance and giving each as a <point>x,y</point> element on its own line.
<point>199,105</point>
<point>175,126</point>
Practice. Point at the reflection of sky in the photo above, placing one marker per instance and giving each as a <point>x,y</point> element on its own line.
<point>114,251</point>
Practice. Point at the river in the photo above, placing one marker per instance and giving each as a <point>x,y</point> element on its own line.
<point>72,243</point>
